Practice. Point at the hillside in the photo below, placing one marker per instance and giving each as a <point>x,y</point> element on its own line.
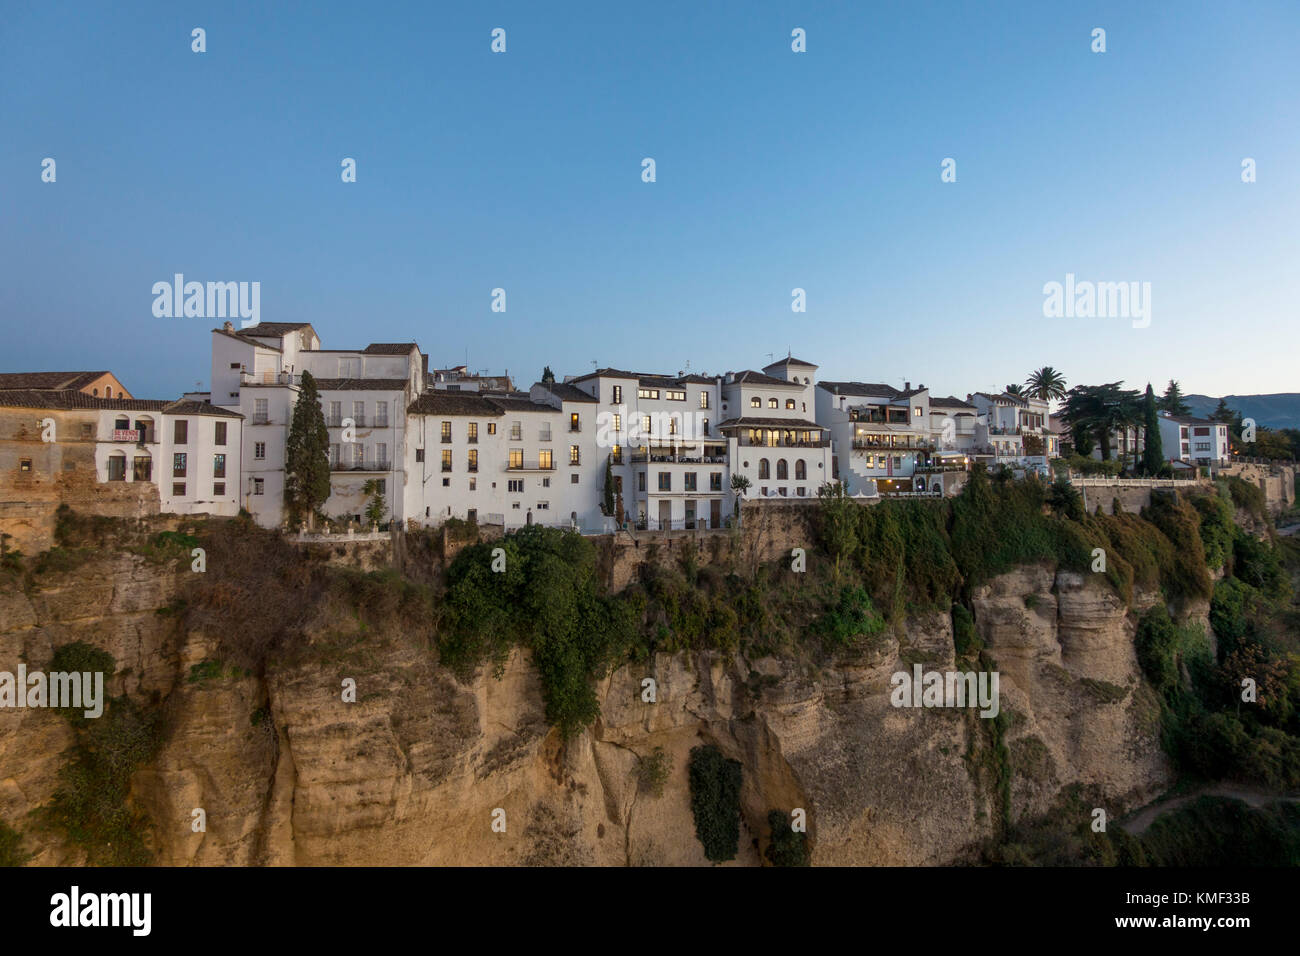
<point>1280,410</point>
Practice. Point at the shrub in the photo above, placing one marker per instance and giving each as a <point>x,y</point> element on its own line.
<point>715,802</point>
<point>653,771</point>
<point>964,637</point>
<point>851,615</point>
<point>11,846</point>
<point>785,847</point>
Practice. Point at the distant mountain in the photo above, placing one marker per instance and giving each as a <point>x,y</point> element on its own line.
<point>1281,410</point>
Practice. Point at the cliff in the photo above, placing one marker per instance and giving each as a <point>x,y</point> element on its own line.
<point>288,773</point>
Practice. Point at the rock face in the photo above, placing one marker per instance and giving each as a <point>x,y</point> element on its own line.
<point>417,770</point>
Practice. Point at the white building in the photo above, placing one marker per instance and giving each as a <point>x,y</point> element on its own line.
<point>881,435</point>
<point>1193,441</point>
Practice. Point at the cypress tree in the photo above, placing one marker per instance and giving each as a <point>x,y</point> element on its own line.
<point>1153,456</point>
<point>307,465</point>
<point>607,505</point>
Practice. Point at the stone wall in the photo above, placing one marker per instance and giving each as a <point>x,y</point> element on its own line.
<point>62,472</point>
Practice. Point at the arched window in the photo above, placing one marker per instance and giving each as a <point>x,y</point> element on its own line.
<point>782,470</point>
<point>96,391</point>
<point>108,392</point>
<point>800,470</point>
<point>122,423</point>
<point>771,403</point>
<point>789,404</point>
<point>764,469</point>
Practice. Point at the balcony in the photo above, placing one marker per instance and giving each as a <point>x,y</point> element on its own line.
<point>905,444</point>
<point>531,467</point>
<point>373,464</point>
<point>999,430</point>
<point>659,459</point>
<point>783,443</point>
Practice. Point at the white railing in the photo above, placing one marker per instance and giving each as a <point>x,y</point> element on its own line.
<point>335,536</point>
<point>1103,482</point>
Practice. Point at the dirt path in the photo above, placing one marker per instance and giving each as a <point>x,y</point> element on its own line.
<point>1138,822</point>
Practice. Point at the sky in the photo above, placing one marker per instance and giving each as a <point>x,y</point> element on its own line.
<point>774,171</point>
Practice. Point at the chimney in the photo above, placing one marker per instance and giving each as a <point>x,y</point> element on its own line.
<point>228,326</point>
<point>907,386</point>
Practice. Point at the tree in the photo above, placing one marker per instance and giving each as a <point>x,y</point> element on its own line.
<point>1172,401</point>
<point>739,486</point>
<point>376,507</point>
<point>1153,455</point>
<point>306,454</point>
<point>1097,411</point>
<point>839,522</point>
<point>547,375</point>
<point>1045,384</point>
<point>607,503</point>
<point>1064,499</point>
<point>1014,389</point>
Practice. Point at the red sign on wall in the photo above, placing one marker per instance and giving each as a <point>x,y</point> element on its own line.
<point>126,434</point>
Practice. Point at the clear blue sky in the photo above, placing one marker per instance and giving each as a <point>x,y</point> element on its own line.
<point>775,170</point>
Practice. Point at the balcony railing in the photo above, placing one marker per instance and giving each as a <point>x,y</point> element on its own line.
<point>641,458</point>
<point>907,444</point>
<point>530,467</point>
<point>784,443</point>
<point>370,464</point>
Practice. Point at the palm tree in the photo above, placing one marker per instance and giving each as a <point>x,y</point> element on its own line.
<point>739,484</point>
<point>1014,390</point>
<point>1045,384</point>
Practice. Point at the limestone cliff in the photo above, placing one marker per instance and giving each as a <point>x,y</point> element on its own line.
<point>287,773</point>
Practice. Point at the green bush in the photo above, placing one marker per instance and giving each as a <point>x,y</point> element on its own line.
<point>851,615</point>
<point>715,802</point>
<point>785,846</point>
<point>11,848</point>
<point>964,636</point>
<point>653,771</point>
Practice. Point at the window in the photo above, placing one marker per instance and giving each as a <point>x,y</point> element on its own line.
<point>516,458</point>
<point>471,435</point>
<point>218,466</point>
<point>143,468</point>
<point>334,456</point>
<point>801,470</point>
<point>573,478</point>
<point>755,402</point>
<point>704,399</point>
<point>802,491</point>
<point>543,506</point>
<point>218,487</point>
<point>24,464</point>
<point>544,434</point>
<point>178,489</point>
<point>640,481</point>
<point>236,365</point>
<point>359,413</point>
<point>647,393</point>
<point>616,455</point>
<point>446,432</point>
<point>258,486</point>
<point>898,461</point>
<point>180,432</point>
<point>473,486</point>
<point>676,395</point>
<point>381,454</point>
<point>772,403</point>
<point>219,433</point>
<point>672,425</point>
<point>618,425</point>
<point>473,459</point>
<point>419,454</point>
<point>446,482</point>
<point>336,415</point>
<point>546,482</point>
<point>515,506</point>
<point>618,394</point>
<point>782,470</point>
<point>87,432</point>
<point>178,465</point>
<point>259,450</point>
<point>704,424</point>
<point>764,469</point>
<point>715,481</point>
<point>645,426</point>
<point>516,431</point>
<point>575,422</point>
<point>575,456</point>
<point>108,392</point>
<point>358,454</point>
<point>516,486</point>
<point>789,404</point>
<point>117,468</point>
<point>665,481</point>
<point>446,459</point>
<point>690,481</point>
<point>544,459</point>
<point>492,428</point>
<point>259,411</point>
<point>381,414</point>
